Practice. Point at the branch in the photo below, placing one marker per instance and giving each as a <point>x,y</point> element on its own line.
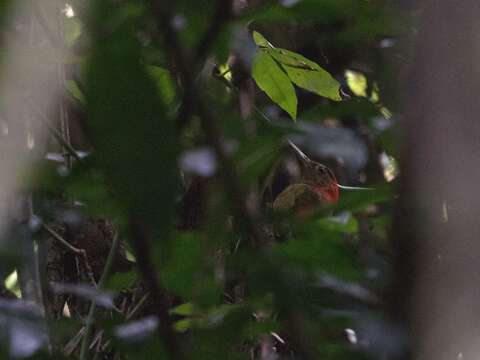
<point>76,251</point>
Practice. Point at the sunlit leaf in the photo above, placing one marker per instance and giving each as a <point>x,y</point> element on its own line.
<point>260,40</point>
<point>12,284</point>
<point>319,82</point>
<point>302,72</point>
<point>182,325</point>
<point>164,82</point>
<point>357,82</point>
<point>185,309</point>
<point>275,83</point>
<point>290,58</point>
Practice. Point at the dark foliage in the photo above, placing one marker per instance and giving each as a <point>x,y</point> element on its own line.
<point>169,215</point>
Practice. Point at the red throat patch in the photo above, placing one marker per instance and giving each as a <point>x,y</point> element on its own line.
<point>329,193</point>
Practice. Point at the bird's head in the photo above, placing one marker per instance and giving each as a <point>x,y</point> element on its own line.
<point>321,179</point>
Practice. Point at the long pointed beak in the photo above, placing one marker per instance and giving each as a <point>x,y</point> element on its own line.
<point>298,151</point>
<point>343,187</point>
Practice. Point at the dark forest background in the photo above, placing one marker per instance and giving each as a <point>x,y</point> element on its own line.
<point>143,146</point>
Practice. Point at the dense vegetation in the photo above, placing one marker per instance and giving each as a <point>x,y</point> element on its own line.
<point>151,229</point>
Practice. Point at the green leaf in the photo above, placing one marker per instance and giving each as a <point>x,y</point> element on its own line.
<point>121,281</point>
<point>74,90</point>
<point>255,329</point>
<point>318,81</point>
<point>91,187</point>
<point>357,82</point>
<point>290,58</point>
<point>185,309</point>
<point>185,274</point>
<point>182,325</point>
<point>320,251</point>
<point>256,157</point>
<point>164,82</point>
<point>302,72</point>
<point>260,40</point>
<point>181,271</point>
<point>275,83</point>
<point>358,200</point>
<point>127,122</point>
<point>343,224</point>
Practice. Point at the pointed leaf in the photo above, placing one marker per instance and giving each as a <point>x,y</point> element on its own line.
<point>290,58</point>
<point>302,72</point>
<point>260,40</point>
<point>275,83</point>
<point>319,82</point>
<point>307,74</point>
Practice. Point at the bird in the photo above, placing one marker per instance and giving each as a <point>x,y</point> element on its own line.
<point>317,187</point>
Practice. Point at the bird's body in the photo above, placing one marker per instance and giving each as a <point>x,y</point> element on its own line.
<point>317,187</point>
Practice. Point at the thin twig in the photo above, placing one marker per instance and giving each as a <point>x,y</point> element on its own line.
<point>76,251</point>
<point>137,306</point>
<point>90,320</point>
<point>73,343</point>
<point>59,238</point>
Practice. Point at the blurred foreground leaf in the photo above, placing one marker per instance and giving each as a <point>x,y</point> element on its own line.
<point>23,331</point>
<point>133,137</point>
